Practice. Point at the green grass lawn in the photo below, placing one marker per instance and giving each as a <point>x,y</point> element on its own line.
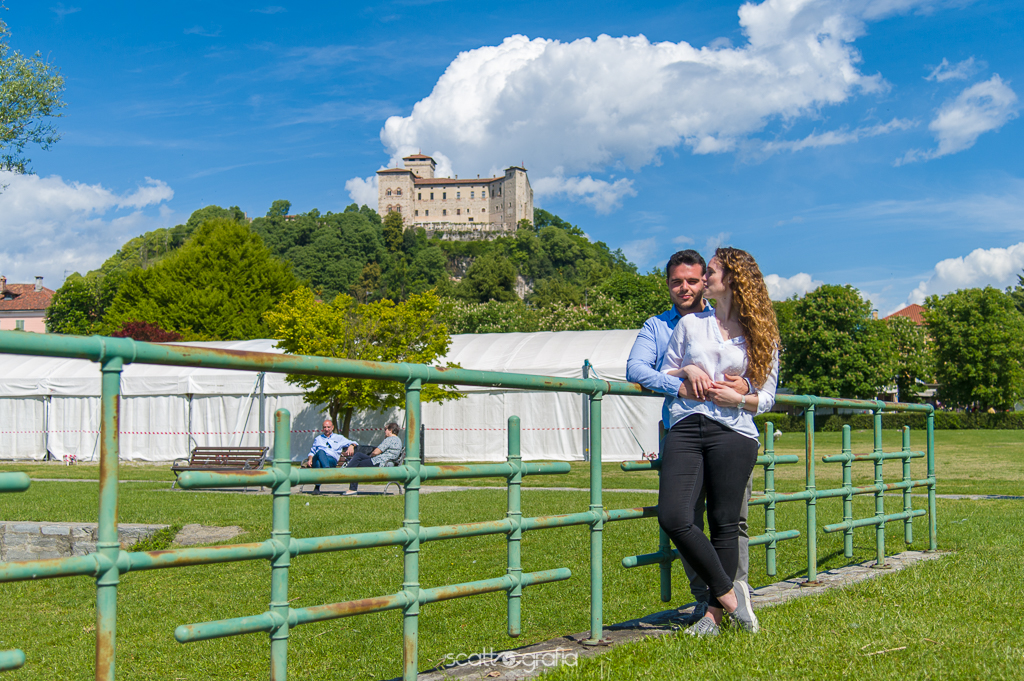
<point>958,617</point>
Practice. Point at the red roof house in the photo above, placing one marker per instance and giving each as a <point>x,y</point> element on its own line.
<point>23,306</point>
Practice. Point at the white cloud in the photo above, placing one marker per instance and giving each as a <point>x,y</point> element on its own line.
<point>206,33</point>
<point>780,288</point>
<point>682,241</point>
<point>715,241</point>
<point>620,102</point>
<point>601,195</point>
<point>997,267</point>
<point>363,192</point>
<point>51,225</point>
<point>641,251</point>
<point>834,137</point>
<point>959,71</point>
<point>981,108</point>
<point>272,9</point>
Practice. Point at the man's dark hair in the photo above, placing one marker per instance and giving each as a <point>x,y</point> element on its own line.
<point>393,427</point>
<point>687,257</point>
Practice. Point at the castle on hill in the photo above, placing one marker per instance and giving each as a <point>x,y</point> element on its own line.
<point>456,209</point>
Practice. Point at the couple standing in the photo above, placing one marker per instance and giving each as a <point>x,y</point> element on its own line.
<point>718,367</point>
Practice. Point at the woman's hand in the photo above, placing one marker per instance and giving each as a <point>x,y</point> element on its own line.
<point>699,380</point>
<point>724,396</point>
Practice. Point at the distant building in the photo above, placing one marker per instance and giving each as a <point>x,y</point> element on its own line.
<point>911,312</point>
<point>23,306</point>
<point>454,208</point>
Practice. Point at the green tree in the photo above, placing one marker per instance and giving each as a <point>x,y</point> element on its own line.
<point>835,348</point>
<point>490,277</point>
<point>30,97</point>
<point>913,356</point>
<point>381,331</point>
<point>217,287</point>
<point>979,355</point>
<point>279,208</point>
<point>393,231</point>
<point>75,308</point>
<point>1017,293</point>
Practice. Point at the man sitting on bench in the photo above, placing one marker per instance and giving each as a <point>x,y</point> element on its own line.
<point>388,451</point>
<point>327,449</point>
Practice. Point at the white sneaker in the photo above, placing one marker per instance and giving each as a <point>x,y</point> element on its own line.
<point>744,613</point>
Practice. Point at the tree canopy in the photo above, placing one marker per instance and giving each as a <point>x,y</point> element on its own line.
<point>380,331</point>
<point>30,98</point>
<point>217,286</point>
<point>979,355</point>
<point>914,361</point>
<point>833,348</point>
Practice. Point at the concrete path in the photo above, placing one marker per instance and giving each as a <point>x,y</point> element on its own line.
<point>531,661</point>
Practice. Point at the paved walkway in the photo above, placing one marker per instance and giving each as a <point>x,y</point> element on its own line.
<point>531,661</point>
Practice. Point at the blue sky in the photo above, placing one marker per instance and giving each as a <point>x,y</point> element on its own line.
<point>869,142</point>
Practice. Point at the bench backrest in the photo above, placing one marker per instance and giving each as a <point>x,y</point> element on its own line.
<point>231,457</point>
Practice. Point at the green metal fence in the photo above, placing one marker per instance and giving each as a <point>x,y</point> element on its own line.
<point>108,562</point>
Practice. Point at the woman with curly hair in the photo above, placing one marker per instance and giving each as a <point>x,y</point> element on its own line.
<point>712,442</point>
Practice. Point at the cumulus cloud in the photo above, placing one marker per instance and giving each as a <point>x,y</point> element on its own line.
<point>780,288</point>
<point>363,191</point>
<point>641,251</point>
<point>981,108</point>
<point>51,225</point>
<point>601,195</point>
<point>591,104</point>
<point>997,267</point>
<point>959,71</point>
<point>715,241</point>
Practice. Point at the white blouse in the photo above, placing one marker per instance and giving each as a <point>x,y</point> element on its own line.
<point>697,340</point>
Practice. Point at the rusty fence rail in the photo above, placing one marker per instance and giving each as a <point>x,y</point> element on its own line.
<point>109,562</point>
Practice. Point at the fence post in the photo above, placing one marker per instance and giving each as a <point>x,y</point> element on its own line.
<point>908,524</point>
<point>597,526</point>
<point>411,524</point>
<point>281,536</point>
<point>515,536</point>
<point>809,486</point>
<point>848,497</point>
<point>664,543</point>
<point>108,546</point>
<point>933,535</point>
<point>769,490</point>
<point>879,494</point>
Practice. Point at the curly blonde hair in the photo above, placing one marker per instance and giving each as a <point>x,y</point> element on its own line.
<point>750,296</point>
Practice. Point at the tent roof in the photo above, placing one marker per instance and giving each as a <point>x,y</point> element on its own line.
<point>559,354</point>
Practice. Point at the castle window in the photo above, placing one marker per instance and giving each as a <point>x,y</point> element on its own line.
<point>431,196</point>
<point>398,209</point>
<point>444,196</point>
<point>471,219</point>
<point>387,193</point>
<point>483,194</point>
<point>398,192</point>
<point>419,196</point>
<point>458,211</point>
<point>472,195</point>
<point>444,211</point>
<point>426,213</point>
<point>416,213</point>
<point>458,195</point>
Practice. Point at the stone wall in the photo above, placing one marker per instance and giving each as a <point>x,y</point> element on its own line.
<point>40,541</point>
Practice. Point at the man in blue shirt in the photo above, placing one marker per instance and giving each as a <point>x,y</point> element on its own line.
<point>685,274</point>
<point>327,449</point>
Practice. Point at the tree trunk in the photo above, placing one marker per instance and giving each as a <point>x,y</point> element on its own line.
<point>333,408</point>
<point>348,420</point>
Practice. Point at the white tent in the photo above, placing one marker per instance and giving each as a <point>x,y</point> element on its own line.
<point>51,405</point>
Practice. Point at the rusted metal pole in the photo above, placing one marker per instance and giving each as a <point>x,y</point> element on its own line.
<point>514,538</point>
<point>107,544</point>
<point>411,524</point>
<point>281,538</point>
<point>810,489</point>
<point>597,528</point>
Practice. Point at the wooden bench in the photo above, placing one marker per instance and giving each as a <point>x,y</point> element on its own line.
<point>221,459</point>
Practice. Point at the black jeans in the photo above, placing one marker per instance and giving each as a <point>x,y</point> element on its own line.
<point>701,453</point>
<point>360,460</point>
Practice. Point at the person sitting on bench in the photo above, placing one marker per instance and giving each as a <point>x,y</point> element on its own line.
<point>327,448</point>
<point>388,451</point>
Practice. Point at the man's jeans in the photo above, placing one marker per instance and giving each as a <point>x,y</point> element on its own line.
<point>324,460</point>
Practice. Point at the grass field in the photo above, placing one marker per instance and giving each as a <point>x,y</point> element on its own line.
<point>958,617</point>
